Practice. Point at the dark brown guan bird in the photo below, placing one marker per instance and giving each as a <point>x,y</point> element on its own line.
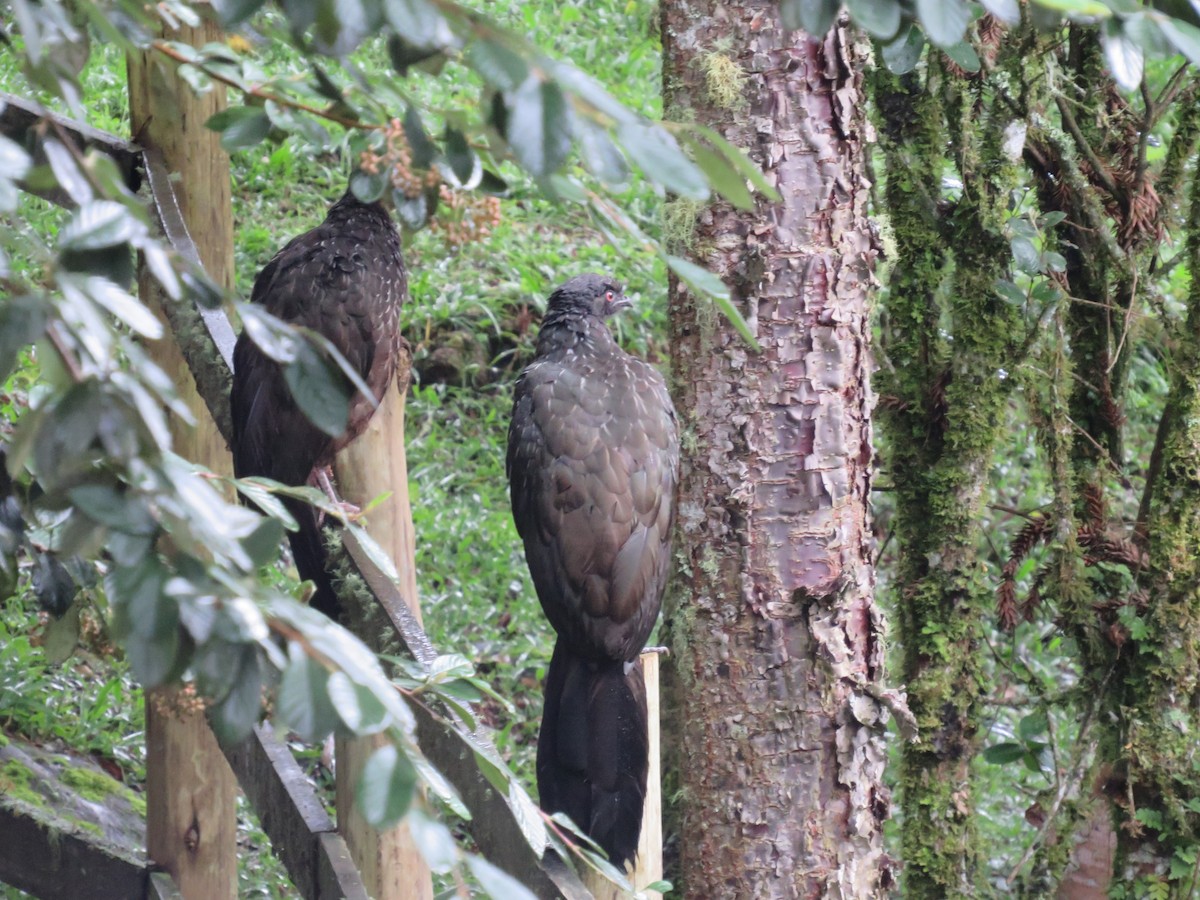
<point>345,279</point>
<point>593,458</point>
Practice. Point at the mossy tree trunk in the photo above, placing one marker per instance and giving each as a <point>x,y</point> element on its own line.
<point>775,637</point>
<point>951,346</point>
<point>1157,700</point>
<point>1130,611</point>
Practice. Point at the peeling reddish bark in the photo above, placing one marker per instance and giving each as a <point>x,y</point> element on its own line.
<point>778,708</point>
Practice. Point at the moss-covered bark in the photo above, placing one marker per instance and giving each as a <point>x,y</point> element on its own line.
<point>1158,698</point>
<point>950,343</point>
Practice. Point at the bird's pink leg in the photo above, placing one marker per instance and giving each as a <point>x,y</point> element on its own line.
<point>324,480</point>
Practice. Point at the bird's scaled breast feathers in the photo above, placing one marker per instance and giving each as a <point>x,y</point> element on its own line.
<point>593,460</point>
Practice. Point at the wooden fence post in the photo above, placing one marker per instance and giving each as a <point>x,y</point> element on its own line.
<point>392,868</point>
<point>191,819</point>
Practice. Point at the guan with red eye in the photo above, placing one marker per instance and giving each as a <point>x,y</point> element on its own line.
<point>346,280</point>
<point>593,459</point>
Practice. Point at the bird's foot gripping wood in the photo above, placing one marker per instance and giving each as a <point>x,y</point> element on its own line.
<point>323,477</point>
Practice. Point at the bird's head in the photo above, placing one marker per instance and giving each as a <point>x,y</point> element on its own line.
<point>588,295</point>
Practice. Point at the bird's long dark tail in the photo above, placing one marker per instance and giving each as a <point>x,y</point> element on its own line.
<point>308,552</point>
<point>593,749</point>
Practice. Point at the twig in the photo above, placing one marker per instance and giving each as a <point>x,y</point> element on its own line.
<point>1128,315</point>
<point>1101,171</point>
<point>253,91</point>
<point>1077,775</point>
<point>64,352</point>
<point>1174,85</point>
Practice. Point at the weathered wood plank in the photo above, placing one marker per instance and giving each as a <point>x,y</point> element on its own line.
<point>302,834</point>
<point>65,822</point>
<point>53,864</point>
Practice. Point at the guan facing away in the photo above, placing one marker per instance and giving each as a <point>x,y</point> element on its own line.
<point>346,280</point>
<point>593,459</point>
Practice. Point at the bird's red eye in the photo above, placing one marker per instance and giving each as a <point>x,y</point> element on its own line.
<point>609,296</point>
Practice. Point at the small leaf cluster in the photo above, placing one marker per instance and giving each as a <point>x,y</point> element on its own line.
<point>1027,749</point>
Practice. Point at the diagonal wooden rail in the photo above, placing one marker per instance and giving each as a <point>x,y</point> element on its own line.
<point>302,836</point>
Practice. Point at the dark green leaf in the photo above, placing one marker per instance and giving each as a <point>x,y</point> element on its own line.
<point>367,186</point>
<point>201,289</point>
<point>155,660</point>
<point>405,55</point>
<point>121,304</point>
<point>1004,753</point>
<point>119,510</point>
<point>945,21</point>
<point>814,16</point>
<point>497,883</point>
<point>303,700</point>
<point>99,225</point>
<point>113,263</point>
<point>902,55</point>
<point>1007,11</point>
<point>880,18</point>
<point>1026,256</point>
<point>136,593</point>
<point>602,155</point>
<point>462,159</point>
<point>499,66</point>
<point>707,284</point>
<point>498,114</point>
<point>745,166</point>
<point>727,181</point>
<point>359,709</point>
<point>1033,725</point>
<point>385,790</point>
<point>1054,262</point>
<point>270,335</point>
<point>1050,219</point>
<point>422,148</point>
<point>62,634</point>
<point>658,155</point>
<point>129,549</point>
<point>1010,292</point>
<point>247,126</point>
<point>1183,36</point>
<point>234,12</point>
<point>63,446</point>
<point>434,841</point>
<point>22,321</point>
<point>255,490</point>
<point>67,172</point>
<point>413,212</point>
<point>1081,8</point>
<point>539,126</point>
<point>419,22</point>
<point>1032,761</point>
<point>1126,60</point>
<point>964,56</point>
<point>234,716</point>
<point>262,544</point>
